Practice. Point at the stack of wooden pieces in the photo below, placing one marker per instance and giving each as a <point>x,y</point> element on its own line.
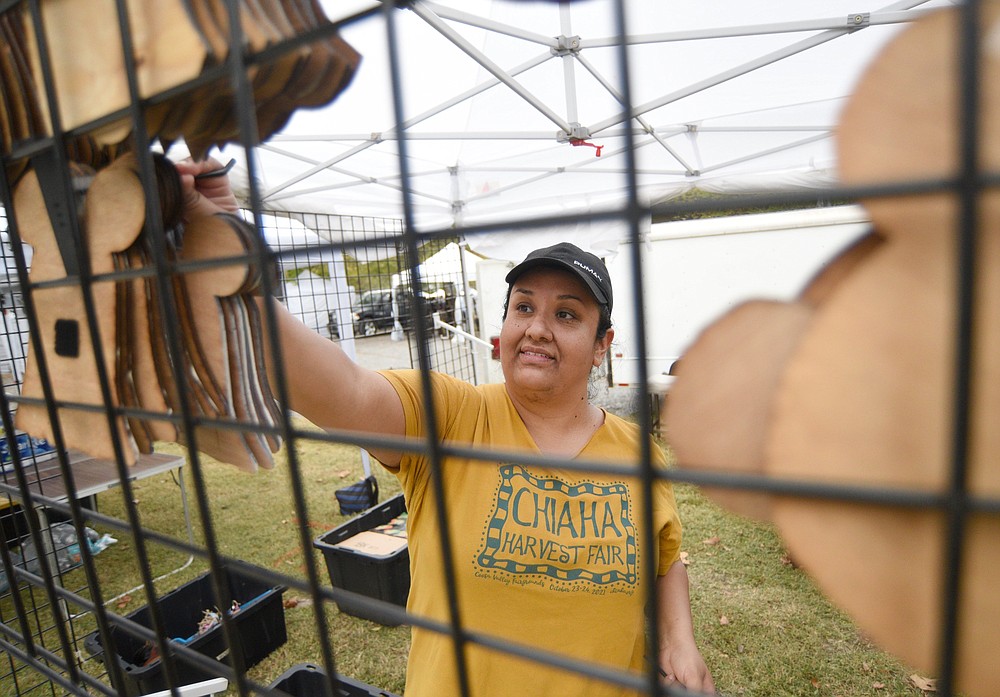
<point>173,42</point>
<point>178,52</point>
<point>216,375</point>
<point>381,542</point>
<point>222,341</point>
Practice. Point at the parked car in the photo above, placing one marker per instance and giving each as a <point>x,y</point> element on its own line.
<point>406,302</point>
<point>373,313</point>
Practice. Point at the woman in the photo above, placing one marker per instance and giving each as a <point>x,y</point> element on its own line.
<point>546,557</point>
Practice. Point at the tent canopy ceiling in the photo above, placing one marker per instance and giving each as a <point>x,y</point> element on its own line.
<point>505,105</point>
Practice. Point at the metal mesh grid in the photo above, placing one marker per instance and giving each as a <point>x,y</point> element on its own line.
<point>40,639</point>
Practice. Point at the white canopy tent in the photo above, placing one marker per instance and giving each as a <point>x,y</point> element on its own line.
<point>313,299</point>
<point>447,264</point>
<point>506,103</point>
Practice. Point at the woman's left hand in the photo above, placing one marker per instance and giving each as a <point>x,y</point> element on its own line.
<point>680,660</point>
<point>684,665</point>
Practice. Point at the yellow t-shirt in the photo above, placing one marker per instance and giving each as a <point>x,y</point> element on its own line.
<point>551,559</point>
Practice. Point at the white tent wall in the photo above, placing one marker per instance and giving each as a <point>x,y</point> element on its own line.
<point>695,270</point>
<point>490,275</point>
<point>692,272</point>
<point>312,299</point>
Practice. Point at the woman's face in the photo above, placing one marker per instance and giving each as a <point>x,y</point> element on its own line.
<point>548,340</point>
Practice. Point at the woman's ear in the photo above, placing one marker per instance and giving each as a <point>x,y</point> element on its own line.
<point>602,345</point>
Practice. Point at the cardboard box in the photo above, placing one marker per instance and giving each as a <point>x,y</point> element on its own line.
<point>378,569</point>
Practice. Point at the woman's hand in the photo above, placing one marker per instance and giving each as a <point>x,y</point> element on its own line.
<point>206,195</point>
<point>680,661</point>
<point>683,664</point>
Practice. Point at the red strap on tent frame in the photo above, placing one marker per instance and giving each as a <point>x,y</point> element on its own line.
<point>580,141</point>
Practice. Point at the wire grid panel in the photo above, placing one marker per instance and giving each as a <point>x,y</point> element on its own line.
<point>59,639</point>
<point>45,617</point>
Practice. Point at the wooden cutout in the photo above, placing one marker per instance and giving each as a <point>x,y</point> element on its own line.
<point>88,65</point>
<point>273,95</point>
<point>862,394</point>
<point>719,405</point>
<point>163,361</point>
<point>343,59</point>
<point>718,410</point>
<point>114,210</point>
<point>124,384</point>
<point>14,77</point>
<point>314,69</point>
<point>260,18</point>
<point>140,335</point>
<point>174,41</point>
<point>262,407</point>
<point>266,405</point>
<point>197,296</point>
<point>16,112</point>
<point>867,399</point>
<point>211,334</point>
<point>211,33</point>
<point>831,275</point>
<point>197,314</point>
<point>240,373</point>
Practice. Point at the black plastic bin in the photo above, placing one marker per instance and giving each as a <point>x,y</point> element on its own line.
<point>260,625</point>
<point>385,578</point>
<point>307,680</point>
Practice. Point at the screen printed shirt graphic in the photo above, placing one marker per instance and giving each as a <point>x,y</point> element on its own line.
<point>544,527</point>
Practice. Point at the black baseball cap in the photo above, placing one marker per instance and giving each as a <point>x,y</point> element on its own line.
<point>589,268</point>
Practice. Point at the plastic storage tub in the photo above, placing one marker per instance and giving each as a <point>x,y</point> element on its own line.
<point>259,623</point>
<point>381,576</point>
<point>308,680</point>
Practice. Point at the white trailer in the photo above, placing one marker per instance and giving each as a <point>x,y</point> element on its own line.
<point>693,271</point>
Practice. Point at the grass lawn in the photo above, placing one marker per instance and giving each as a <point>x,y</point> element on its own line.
<point>761,624</point>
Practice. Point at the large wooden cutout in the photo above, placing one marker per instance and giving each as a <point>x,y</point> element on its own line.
<point>862,392</point>
<point>114,209</point>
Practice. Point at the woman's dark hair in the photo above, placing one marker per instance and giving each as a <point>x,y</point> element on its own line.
<point>603,322</point>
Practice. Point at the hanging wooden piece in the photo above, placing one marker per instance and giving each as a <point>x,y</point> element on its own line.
<point>866,395</point>
<point>173,43</point>
<point>136,379</point>
<point>888,335</point>
<point>113,215</point>
<point>139,382</point>
<point>220,357</point>
<point>719,404</point>
<point>216,331</point>
<point>719,408</point>
<point>85,48</point>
